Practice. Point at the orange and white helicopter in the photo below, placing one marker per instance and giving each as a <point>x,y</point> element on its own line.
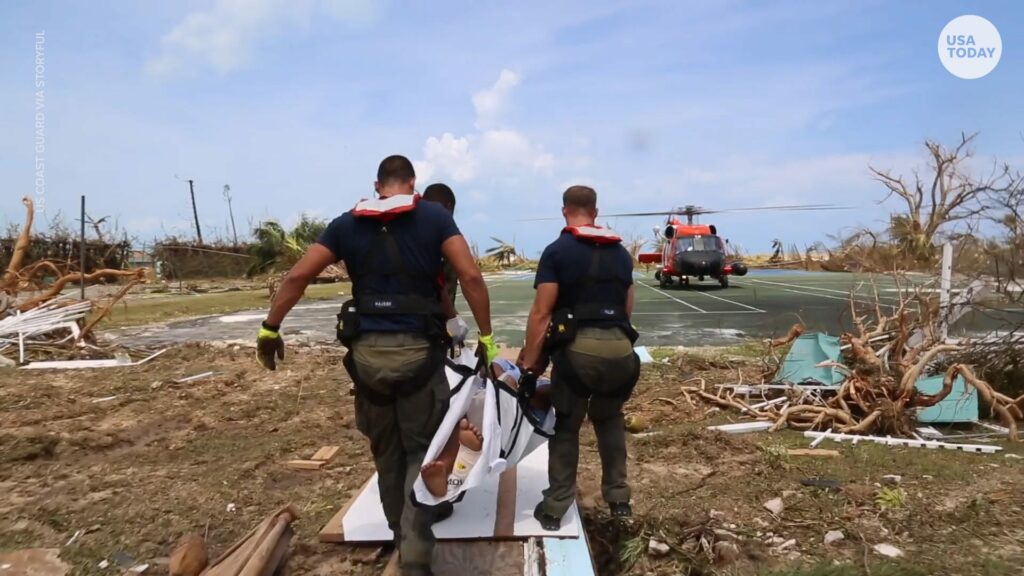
<point>691,250</point>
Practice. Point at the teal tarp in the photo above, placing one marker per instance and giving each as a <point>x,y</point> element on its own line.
<point>961,405</point>
<point>799,365</point>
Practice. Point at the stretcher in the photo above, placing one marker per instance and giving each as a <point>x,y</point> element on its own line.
<point>511,431</point>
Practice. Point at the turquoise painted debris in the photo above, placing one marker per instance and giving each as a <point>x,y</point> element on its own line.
<point>800,364</point>
<point>961,405</point>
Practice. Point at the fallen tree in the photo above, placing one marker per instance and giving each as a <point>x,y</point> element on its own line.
<point>885,356</point>
<point>29,287</point>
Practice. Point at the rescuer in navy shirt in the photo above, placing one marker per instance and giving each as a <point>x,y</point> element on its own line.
<point>394,329</point>
<point>581,318</point>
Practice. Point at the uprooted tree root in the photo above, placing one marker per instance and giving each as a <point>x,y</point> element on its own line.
<point>884,359</point>
<point>49,277</point>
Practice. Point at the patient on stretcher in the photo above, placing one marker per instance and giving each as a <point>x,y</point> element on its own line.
<point>462,450</point>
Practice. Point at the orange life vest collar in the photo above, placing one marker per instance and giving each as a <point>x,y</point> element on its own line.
<point>594,233</point>
<point>385,208</point>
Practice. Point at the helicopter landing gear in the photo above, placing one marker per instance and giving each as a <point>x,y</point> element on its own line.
<point>685,281</point>
<point>664,281</point>
<point>724,281</point>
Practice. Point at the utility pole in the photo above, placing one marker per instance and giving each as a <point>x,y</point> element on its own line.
<point>946,284</point>
<point>195,214</point>
<point>81,250</point>
<point>227,196</point>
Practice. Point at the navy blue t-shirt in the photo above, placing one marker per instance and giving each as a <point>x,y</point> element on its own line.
<point>567,262</point>
<point>418,235</point>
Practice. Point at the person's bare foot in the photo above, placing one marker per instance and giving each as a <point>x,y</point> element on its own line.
<point>470,436</point>
<point>435,478</point>
<point>451,448</point>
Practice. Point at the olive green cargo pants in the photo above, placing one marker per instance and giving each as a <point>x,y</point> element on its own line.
<point>400,432</point>
<point>604,361</point>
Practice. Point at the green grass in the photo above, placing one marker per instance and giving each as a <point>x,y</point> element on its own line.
<point>988,567</point>
<point>853,570</point>
<point>156,309</point>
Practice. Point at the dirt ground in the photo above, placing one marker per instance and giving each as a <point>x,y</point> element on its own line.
<point>160,459</point>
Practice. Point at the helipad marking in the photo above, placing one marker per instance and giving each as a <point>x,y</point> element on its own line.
<point>671,297</point>
<point>805,287</point>
<point>819,295</point>
<point>750,308</point>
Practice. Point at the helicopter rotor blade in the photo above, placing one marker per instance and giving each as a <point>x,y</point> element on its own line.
<point>702,211</point>
<point>696,211</point>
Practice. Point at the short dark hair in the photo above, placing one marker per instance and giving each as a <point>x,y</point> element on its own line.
<point>441,194</point>
<point>395,169</point>
<point>580,198</point>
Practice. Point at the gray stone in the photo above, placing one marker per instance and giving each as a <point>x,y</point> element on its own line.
<point>657,549</point>
<point>833,536</point>
<point>775,506</point>
<point>888,550</point>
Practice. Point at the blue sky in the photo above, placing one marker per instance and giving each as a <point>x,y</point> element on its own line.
<point>656,104</point>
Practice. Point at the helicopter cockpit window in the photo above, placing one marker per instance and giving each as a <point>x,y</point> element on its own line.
<point>699,243</point>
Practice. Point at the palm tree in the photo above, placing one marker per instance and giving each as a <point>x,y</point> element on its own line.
<point>776,251</point>
<point>276,246</point>
<point>504,254</point>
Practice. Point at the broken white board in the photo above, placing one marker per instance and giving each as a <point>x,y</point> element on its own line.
<point>643,354</point>
<point>908,442</point>
<point>564,557</point>
<point>743,427</point>
<point>82,364</point>
<point>476,516</point>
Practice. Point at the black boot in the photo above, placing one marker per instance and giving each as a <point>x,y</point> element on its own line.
<point>620,509</point>
<point>547,521</point>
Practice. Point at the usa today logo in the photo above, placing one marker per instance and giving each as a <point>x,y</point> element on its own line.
<point>970,47</point>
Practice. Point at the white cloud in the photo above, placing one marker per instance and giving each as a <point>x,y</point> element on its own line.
<point>491,104</point>
<point>493,151</point>
<point>225,36</point>
<point>449,155</point>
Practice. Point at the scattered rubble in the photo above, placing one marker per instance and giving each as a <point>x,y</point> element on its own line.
<point>775,506</point>
<point>657,549</point>
<point>35,318</point>
<point>833,536</point>
<point>888,550</point>
<point>864,382</point>
<point>892,480</point>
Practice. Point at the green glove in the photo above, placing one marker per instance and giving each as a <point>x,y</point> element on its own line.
<point>487,348</point>
<point>268,345</point>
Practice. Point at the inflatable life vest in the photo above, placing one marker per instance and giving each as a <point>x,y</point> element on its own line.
<point>385,209</point>
<point>594,233</point>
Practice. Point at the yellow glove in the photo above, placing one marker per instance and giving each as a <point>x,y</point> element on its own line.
<point>487,348</point>
<point>268,345</point>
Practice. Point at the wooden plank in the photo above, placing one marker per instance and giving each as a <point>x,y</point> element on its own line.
<point>813,452</point>
<point>305,464</point>
<point>333,532</point>
<point>325,453</point>
<point>505,513</point>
